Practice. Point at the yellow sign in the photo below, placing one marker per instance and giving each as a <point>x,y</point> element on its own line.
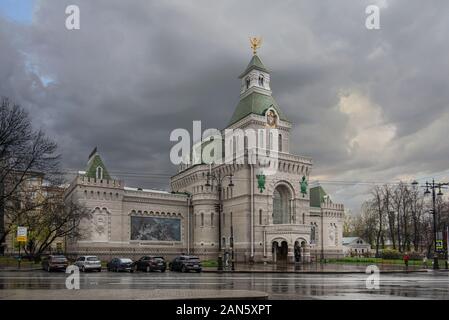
<point>21,234</point>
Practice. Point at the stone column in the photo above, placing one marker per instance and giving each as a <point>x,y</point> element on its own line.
<point>291,254</point>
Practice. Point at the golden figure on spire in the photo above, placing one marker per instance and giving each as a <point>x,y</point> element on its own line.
<point>256,42</point>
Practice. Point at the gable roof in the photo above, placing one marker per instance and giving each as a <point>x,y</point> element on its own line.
<point>94,162</point>
<point>348,240</point>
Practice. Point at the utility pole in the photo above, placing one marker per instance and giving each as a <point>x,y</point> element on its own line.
<point>219,179</point>
<point>432,185</point>
<point>232,248</point>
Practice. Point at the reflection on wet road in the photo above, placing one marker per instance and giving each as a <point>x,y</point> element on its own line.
<point>428,285</point>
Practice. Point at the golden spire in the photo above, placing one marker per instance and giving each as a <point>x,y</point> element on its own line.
<point>255,43</point>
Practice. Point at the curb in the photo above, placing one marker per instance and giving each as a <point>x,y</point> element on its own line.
<point>19,270</point>
<point>317,272</point>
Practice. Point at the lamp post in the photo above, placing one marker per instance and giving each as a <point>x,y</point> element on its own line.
<point>219,179</point>
<point>433,186</point>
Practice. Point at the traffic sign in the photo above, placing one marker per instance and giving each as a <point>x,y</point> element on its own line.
<point>440,245</point>
<point>21,234</point>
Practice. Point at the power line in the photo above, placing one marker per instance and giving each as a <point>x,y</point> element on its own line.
<point>163,175</point>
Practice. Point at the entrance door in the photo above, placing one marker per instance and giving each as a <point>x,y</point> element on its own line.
<point>280,252</point>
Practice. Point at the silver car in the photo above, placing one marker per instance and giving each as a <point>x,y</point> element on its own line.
<point>87,263</point>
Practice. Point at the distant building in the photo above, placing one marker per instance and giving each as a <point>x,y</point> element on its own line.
<point>356,246</point>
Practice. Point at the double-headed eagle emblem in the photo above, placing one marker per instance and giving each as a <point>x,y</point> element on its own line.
<point>256,42</point>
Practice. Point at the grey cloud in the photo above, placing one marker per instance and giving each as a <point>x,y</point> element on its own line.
<point>138,69</point>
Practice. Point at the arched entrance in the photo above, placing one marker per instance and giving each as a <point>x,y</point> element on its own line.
<point>299,250</point>
<point>280,251</point>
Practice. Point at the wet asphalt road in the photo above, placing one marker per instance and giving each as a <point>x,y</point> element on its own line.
<point>427,285</point>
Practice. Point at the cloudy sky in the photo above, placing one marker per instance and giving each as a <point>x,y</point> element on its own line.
<point>368,105</point>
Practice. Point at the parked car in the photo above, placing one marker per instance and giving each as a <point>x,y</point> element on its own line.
<point>150,263</point>
<point>120,264</point>
<point>54,262</point>
<point>186,264</point>
<point>86,263</point>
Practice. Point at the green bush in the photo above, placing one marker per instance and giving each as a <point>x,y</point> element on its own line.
<point>391,254</point>
<point>209,263</point>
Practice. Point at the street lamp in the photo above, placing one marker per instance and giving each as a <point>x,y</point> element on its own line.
<point>433,186</point>
<point>219,179</point>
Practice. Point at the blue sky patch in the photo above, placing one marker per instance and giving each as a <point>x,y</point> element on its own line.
<point>17,10</point>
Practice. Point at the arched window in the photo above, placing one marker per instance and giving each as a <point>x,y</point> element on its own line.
<point>248,82</point>
<point>99,173</point>
<point>261,80</point>
<point>202,219</point>
<point>281,208</point>
<point>280,142</point>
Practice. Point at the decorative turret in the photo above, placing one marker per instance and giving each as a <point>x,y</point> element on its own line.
<point>255,92</point>
<point>96,168</point>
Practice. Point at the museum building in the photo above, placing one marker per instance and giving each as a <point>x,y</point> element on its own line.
<point>221,208</point>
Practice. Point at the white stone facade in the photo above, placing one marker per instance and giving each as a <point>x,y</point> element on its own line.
<point>274,224</point>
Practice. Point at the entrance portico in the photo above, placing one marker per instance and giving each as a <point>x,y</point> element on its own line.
<point>289,243</point>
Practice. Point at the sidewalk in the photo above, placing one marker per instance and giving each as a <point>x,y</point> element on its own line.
<point>131,294</point>
<point>316,268</point>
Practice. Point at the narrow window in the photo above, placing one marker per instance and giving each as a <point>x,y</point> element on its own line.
<point>248,81</point>
<point>202,219</point>
<point>99,173</point>
<point>211,219</point>
<point>280,142</point>
<point>260,216</point>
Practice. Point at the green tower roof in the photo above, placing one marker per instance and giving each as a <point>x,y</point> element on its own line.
<point>92,165</point>
<point>257,103</point>
<point>317,195</point>
<point>255,63</point>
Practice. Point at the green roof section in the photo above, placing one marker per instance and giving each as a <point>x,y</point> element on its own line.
<point>257,103</point>
<point>317,195</point>
<point>94,162</point>
<point>255,63</point>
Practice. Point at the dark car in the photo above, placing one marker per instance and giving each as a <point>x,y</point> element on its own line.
<point>150,263</point>
<point>186,264</point>
<point>120,264</point>
<point>55,262</point>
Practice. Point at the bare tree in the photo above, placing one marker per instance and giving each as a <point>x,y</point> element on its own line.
<point>23,151</point>
<point>403,209</point>
<point>55,219</point>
